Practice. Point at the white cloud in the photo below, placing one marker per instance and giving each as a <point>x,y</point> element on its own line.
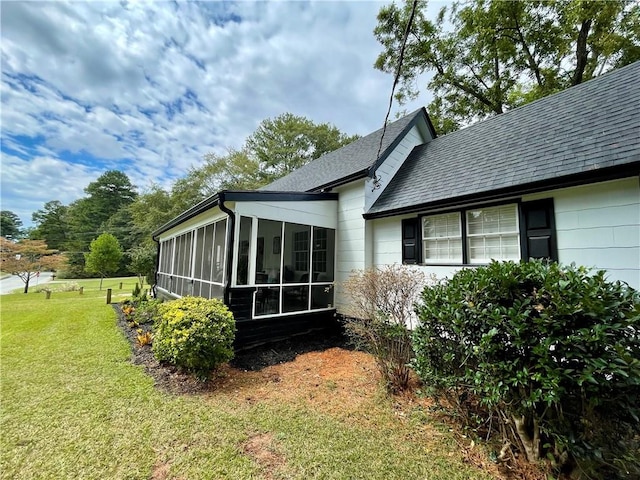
<point>149,88</point>
<point>28,184</point>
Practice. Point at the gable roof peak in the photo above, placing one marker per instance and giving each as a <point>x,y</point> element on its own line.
<point>352,161</point>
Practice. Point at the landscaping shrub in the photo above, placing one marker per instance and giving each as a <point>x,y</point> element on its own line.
<point>379,314</point>
<point>195,334</point>
<point>147,311</point>
<point>547,355</point>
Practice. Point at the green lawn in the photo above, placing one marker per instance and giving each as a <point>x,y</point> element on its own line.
<point>74,407</point>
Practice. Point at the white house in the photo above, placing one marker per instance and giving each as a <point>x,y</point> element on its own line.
<point>557,178</point>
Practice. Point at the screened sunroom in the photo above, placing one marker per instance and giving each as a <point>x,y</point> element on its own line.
<point>269,255</point>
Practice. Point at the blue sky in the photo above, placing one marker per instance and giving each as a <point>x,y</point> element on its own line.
<point>150,88</point>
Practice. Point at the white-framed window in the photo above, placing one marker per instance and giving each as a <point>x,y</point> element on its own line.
<point>493,234</point>
<point>301,250</point>
<point>442,238</point>
<point>488,233</point>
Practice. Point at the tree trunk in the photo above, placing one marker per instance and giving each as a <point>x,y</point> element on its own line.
<point>101,278</point>
<point>581,53</point>
<point>26,285</point>
<point>530,441</point>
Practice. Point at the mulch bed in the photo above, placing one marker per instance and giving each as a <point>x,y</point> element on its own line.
<point>174,380</point>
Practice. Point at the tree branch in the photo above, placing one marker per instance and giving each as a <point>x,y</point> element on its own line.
<point>581,52</point>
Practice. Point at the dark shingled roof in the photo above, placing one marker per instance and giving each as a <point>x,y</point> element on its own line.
<point>349,162</point>
<point>591,128</point>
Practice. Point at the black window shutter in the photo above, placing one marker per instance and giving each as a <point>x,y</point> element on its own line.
<point>411,241</point>
<point>539,230</point>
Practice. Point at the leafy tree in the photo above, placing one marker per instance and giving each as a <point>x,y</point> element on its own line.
<point>104,256</point>
<point>108,194</point>
<point>287,142</point>
<point>121,226</point>
<point>156,206</point>
<point>10,225</point>
<point>27,258</point>
<point>488,56</point>
<point>87,217</point>
<point>277,147</point>
<point>237,170</point>
<point>51,224</point>
<point>143,262</point>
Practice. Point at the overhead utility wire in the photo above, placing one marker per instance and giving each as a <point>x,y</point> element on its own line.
<point>397,76</point>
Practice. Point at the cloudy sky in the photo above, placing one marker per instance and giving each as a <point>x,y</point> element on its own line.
<point>149,88</point>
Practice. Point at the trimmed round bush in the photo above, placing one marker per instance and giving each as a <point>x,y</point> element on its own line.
<point>195,334</point>
<point>547,355</point>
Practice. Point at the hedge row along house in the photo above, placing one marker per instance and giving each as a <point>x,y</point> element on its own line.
<point>557,178</point>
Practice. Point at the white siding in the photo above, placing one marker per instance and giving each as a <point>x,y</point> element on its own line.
<point>598,226</point>
<point>321,213</point>
<point>350,246</point>
<point>387,241</point>
<point>392,164</point>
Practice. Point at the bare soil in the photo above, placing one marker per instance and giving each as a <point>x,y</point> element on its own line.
<point>324,372</point>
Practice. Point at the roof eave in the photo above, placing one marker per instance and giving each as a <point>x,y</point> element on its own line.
<point>204,205</point>
<point>592,176</point>
<point>241,196</point>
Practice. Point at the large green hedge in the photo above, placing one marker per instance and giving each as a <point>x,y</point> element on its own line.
<point>546,355</point>
<point>194,333</point>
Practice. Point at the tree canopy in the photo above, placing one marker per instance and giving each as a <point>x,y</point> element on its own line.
<point>277,147</point>
<point>10,225</point>
<point>104,256</point>
<point>51,224</point>
<point>27,258</point>
<point>488,56</point>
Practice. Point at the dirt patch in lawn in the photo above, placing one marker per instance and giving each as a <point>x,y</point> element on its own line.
<point>261,448</point>
<point>318,371</point>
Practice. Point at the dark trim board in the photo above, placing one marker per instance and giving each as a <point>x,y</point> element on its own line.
<point>498,196</point>
<point>258,331</point>
<point>251,333</point>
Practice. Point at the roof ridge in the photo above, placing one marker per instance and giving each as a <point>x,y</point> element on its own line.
<point>547,98</point>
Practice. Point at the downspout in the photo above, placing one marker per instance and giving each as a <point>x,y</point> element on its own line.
<point>157,269</point>
<point>230,239</point>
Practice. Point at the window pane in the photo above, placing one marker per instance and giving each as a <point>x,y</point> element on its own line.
<point>441,226</point>
<point>166,254</point>
<point>492,220</point>
<point>267,301</point>
<point>296,253</point>
<point>493,234</point>
<point>197,273</point>
<point>323,254</point>
<point>321,296</point>
<point>295,299</point>
<point>219,252</point>
<point>442,238</point>
<point>208,252</point>
<point>269,251</point>
<point>244,239</point>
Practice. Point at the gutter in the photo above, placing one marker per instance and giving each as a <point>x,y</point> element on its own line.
<point>582,178</point>
<point>206,204</point>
